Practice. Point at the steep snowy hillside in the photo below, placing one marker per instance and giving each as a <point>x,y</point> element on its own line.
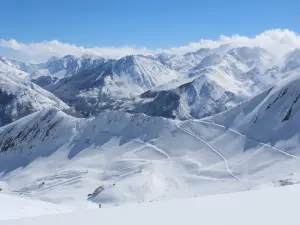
<point>117,157</point>
<point>19,97</point>
<point>271,117</point>
<point>91,91</point>
<point>195,97</point>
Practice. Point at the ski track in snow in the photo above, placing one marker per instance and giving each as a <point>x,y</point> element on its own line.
<point>262,143</point>
<point>212,148</point>
<point>157,149</point>
<point>48,187</point>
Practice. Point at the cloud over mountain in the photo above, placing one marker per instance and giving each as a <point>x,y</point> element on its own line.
<point>276,41</point>
<point>41,51</point>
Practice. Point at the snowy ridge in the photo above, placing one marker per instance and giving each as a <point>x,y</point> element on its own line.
<point>274,113</point>
<point>16,64</point>
<point>217,83</point>
<point>92,91</point>
<point>70,65</point>
<point>174,83</point>
<point>20,97</point>
<point>196,98</point>
<point>254,58</point>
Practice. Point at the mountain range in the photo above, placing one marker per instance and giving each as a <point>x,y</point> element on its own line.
<point>144,128</point>
<point>193,85</point>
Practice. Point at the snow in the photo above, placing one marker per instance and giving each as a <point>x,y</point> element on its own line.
<point>20,97</point>
<point>15,207</point>
<point>51,161</point>
<point>219,81</point>
<point>274,206</point>
<point>54,157</point>
<point>228,74</point>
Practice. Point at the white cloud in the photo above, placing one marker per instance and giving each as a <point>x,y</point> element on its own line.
<point>276,41</point>
<point>41,51</point>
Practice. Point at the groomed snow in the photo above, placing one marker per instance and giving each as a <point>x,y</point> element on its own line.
<point>276,206</point>
<point>14,207</point>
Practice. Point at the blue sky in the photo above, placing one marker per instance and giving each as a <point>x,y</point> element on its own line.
<point>153,23</point>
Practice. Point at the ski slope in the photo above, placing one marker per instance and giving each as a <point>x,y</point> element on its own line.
<point>274,206</point>
<point>126,158</point>
<point>15,207</point>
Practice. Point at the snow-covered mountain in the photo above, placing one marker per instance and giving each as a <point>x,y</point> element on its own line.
<point>159,85</point>
<point>271,117</point>
<point>119,157</point>
<point>57,68</point>
<point>71,65</point>
<point>91,91</point>
<point>216,83</point>
<point>20,97</point>
<point>195,97</point>
<point>254,58</point>
<point>219,81</point>
<point>184,63</point>
<point>291,61</point>
<point>16,64</point>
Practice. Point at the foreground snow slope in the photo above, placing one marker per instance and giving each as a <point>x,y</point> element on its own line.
<point>275,206</point>
<point>12,207</point>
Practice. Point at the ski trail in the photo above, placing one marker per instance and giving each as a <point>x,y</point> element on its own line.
<point>262,143</point>
<point>212,148</point>
<point>159,150</point>
<point>135,167</point>
<point>207,177</point>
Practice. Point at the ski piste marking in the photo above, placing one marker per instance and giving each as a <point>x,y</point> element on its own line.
<point>212,148</point>
<point>262,143</point>
<point>159,150</point>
